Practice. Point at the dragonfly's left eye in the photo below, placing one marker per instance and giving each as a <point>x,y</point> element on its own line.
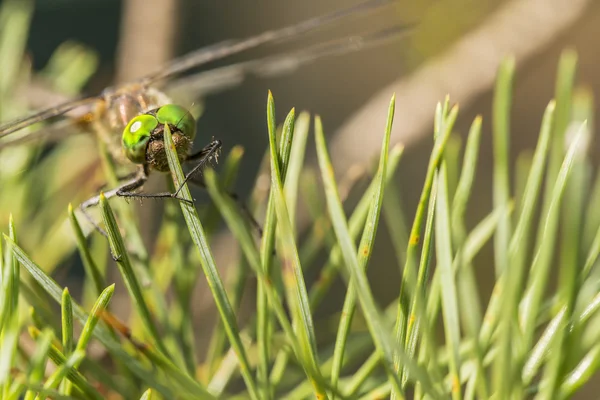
<point>136,136</point>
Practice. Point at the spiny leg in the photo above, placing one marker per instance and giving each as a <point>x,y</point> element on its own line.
<point>198,180</point>
<point>210,149</point>
<point>94,201</point>
<point>120,178</point>
<point>125,190</point>
<point>128,189</point>
<point>204,157</point>
<point>133,183</point>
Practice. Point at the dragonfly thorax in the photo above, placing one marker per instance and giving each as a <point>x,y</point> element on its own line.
<point>143,136</point>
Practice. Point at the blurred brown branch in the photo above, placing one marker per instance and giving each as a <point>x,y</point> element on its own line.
<point>521,28</point>
<point>148,33</point>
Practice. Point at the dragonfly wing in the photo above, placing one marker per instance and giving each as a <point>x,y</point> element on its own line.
<point>230,47</point>
<point>222,78</point>
<point>49,134</point>
<point>58,129</point>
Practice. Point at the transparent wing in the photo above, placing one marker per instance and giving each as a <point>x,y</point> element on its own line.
<point>220,50</point>
<point>203,56</point>
<point>222,78</point>
<point>56,131</point>
<point>43,115</point>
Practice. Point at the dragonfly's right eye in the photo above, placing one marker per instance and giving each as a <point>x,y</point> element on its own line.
<point>136,136</point>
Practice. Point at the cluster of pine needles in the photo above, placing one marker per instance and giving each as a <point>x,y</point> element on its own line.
<point>535,336</point>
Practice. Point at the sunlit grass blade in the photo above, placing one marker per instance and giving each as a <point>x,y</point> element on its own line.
<point>565,78</point>
<point>522,168</point>
<point>321,234</point>
<point>569,272</point>
<point>9,317</point>
<point>91,269</point>
<point>54,380</point>
<point>66,306</point>
<point>474,242</point>
<point>567,347</point>
<point>178,380</point>
<point>467,176</point>
<point>8,344</point>
<point>377,327</point>
<point>592,212</point>
<point>263,325</point>
<point>450,313</point>
<point>356,222</point>
<point>582,373</point>
<point>209,267</point>
<point>501,134</point>
<point>237,283</point>
<point>233,218</point>
<point>66,313</point>
<point>545,249</point>
<point>411,313</point>
<point>512,279</point>
<point>38,388</point>
<point>358,345</point>
<point>409,272</point>
<point>225,373</point>
<point>452,162</point>
<point>78,380</point>
<point>172,267</point>
<point>292,176</point>
<point>147,395</point>
<point>592,256</point>
<point>395,221</point>
<point>365,250</point>
<point>119,254</point>
<point>541,349</point>
<point>292,270</point>
<point>332,267</point>
<point>13,274</point>
<point>38,361</point>
<point>362,374</point>
<point>99,307</point>
<point>231,214</point>
<point>417,323</point>
<point>468,296</point>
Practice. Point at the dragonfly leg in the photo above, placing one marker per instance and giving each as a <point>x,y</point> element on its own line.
<point>120,178</point>
<point>204,157</point>
<point>127,189</point>
<point>133,183</point>
<point>210,149</point>
<point>83,207</point>
<point>199,181</point>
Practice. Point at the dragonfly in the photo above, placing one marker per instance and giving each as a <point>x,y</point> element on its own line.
<point>130,118</point>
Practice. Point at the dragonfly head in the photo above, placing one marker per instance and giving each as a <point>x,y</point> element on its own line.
<point>143,137</point>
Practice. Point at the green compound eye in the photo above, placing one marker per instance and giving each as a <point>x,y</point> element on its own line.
<point>179,117</point>
<point>136,136</point>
